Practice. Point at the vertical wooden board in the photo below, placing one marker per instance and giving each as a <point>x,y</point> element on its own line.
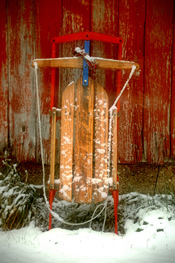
<point>20,23</point>
<point>53,147</point>
<point>3,79</point>
<point>173,97</point>
<point>48,19</point>
<point>83,149</point>
<point>114,148</point>
<point>104,19</point>
<point>157,92</point>
<point>131,29</point>
<point>66,153</point>
<point>100,186</point>
<point>75,18</point>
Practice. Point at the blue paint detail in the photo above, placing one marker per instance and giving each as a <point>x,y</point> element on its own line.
<point>85,66</point>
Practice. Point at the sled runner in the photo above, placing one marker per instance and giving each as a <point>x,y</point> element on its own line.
<point>88,155</point>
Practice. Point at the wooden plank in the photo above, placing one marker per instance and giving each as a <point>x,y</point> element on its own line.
<point>75,18</point>
<point>157,92</point>
<point>3,79</point>
<point>48,24</point>
<point>173,97</point>
<point>66,153</point>
<point>100,185</point>
<point>20,24</point>
<point>78,63</point>
<point>114,149</point>
<point>83,149</point>
<point>131,28</point>
<point>104,19</point>
<point>53,147</point>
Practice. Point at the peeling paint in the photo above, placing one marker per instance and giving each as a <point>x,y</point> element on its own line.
<point>29,36</point>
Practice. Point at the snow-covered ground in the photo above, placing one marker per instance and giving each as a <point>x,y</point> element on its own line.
<point>150,237</point>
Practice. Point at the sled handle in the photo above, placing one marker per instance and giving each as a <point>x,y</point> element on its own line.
<point>87,36</point>
<point>73,62</point>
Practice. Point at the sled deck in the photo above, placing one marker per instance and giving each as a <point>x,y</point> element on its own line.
<point>84,143</point>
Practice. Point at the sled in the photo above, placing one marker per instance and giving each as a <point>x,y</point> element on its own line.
<point>84,167</point>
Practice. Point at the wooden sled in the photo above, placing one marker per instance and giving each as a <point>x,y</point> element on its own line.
<point>84,167</point>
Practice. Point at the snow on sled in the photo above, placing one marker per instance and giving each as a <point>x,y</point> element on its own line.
<point>84,137</point>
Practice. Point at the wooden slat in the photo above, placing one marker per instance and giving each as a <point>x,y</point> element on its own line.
<point>22,108</point>
<point>100,186</point>
<point>66,153</point>
<point>173,99</point>
<point>114,148</point>
<point>157,90</point>
<point>53,144</point>
<point>104,16</point>
<point>48,23</point>
<point>3,79</point>
<point>78,63</point>
<point>75,18</point>
<point>83,149</point>
<point>131,27</point>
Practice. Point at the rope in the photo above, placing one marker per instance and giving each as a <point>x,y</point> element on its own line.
<point>112,108</point>
<point>121,92</point>
<point>78,52</point>
<point>55,215</point>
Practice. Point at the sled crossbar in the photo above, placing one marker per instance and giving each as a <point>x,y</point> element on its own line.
<point>74,62</point>
<point>87,36</point>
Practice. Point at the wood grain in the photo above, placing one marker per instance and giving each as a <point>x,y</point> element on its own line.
<point>147,129</point>
<point>172,121</point>
<point>4,75</point>
<point>75,18</point>
<point>131,27</point>
<point>48,21</point>
<point>157,91</point>
<point>114,149</point>
<point>83,149</point>
<point>53,147</point>
<point>104,19</point>
<point>66,152</point>
<point>22,115</point>
<point>100,186</point>
<point>78,63</point>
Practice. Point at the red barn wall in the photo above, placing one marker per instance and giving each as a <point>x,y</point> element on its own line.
<point>147,115</point>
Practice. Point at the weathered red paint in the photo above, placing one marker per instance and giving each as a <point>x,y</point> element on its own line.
<point>172,122</point>
<point>131,29</point>
<point>157,90</point>
<point>104,19</point>
<point>48,24</point>
<point>75,18</point>
<point>147,112</point>
<point>3,80</point>
<point>20,26</point>
<point>53,77</point>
